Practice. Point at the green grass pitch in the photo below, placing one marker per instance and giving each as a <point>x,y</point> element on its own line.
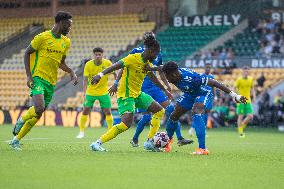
<point>53,158</point>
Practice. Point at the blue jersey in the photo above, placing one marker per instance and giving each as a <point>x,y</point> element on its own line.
<point>191,83</point>
<point>148,84</point>
<point>210,76</point>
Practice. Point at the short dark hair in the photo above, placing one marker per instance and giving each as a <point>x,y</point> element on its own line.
<point>150,41</point>
<point>98,49</point>
<point>169,67</point>
<point>245,68</point>
<point>62,15</point>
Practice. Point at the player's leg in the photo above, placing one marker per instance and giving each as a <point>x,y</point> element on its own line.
<point>248,110</point>
<point>198,113</point>
<point>241,113</point>
<point>173,124</point>
<point>146,118</point>
<point>83,121</point>
<point>105,103</point>
<point>126,108</point>
<point>169,107</point>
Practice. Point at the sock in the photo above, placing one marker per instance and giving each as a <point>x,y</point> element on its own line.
<point>113,132</point>
<point>83,121</point>
<point>29,114</point>
<point>199,126</point>
<point>178,132</point>
<point>205,119</point>
<point>155,123</point>
<point>171,127</point>
<point>109,121</point>
<point>141,124</point>
<point>27,127</point>
<point>243,125</point>
<point>169,109</point>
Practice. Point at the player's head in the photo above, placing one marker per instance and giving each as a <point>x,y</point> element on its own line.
<point>207,68</point>
<point>171,72</point>
<point>98,53</point>
<point>151,45</point>
<point>64,21</point>
<point>245,71</point>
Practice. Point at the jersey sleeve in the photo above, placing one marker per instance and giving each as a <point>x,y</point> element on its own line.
<point>86,70</point>
<point>68,44</point>
<point>126,61</point>
<point>37,41</point>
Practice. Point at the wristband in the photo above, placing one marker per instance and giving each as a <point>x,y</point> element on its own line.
<point>116,82</point>
<point>101,74</point>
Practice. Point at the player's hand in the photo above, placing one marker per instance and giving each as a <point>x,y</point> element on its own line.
<point>112,90</point>
<point>169,94</point>
<point>95,79</point>
<point>147,68</point>
<point>30,82</point>
<point>74,78</point>
<point>169,89</point>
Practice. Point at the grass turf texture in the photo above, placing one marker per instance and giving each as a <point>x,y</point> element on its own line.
<point>54,158</point>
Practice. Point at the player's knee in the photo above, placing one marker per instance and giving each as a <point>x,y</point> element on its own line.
<point>207,111</point>
<point>174,117</point>
<point>147,118</point>
<point>198,108</point>
<point>159,114</point>
<point>39,110</point>
<point>107,111</point>
<point>250,116</point>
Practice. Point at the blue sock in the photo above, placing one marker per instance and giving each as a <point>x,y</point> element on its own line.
<point>140,126</point>
<point>199,126</point>
<point>171,127</point>
<point>169,109</point>
<point>178,132</point>
<point>205,119</point>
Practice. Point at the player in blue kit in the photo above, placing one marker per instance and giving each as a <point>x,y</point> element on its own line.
<point>158,95</point>
<point>194,98</point>
<point>209,103</point>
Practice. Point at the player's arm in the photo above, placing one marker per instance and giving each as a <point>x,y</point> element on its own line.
<point>29,50</point>
<point>253,94</point>
<point>113,89</point>
<point>149,68</point>
<point>236,97</point>
<point>164,79</point>
<point>85,84</point>
<point>155,80</point>
<point>118,65</point>
<point>63,66</point>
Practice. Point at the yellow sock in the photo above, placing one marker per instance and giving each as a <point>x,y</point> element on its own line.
<point>155,123</point>
<point>109,121</point>
<point>113,132</point>
<point>240,130</point>
<point>27,127</point>
<point>29,114</point>
<point>83,120</point>
<point>243,125</point>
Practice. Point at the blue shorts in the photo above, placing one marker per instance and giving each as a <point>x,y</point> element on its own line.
<point>186,100</point>
<point>157,94</point>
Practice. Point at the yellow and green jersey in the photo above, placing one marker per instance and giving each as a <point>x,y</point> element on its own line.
<point>90,70</point>
<point>47,58</point>
<point>244,86</point>
<point>133,76</point>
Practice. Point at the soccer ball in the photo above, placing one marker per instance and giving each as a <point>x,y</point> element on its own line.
<point>161,139</point>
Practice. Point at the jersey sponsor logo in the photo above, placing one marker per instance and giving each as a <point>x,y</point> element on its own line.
<point>53,51</point>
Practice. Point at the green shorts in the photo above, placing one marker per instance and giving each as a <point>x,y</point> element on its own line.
<point>129,104</point>
<point>42,86</point>
<point>104,100</point>
<point>244,109</point>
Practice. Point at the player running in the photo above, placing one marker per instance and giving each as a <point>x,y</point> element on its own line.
<point>95,92</point>
<point>130,95</point>
<point>157,94</point>
<point>194,98</point>
<point>50,48</point>
<point>245,86</point>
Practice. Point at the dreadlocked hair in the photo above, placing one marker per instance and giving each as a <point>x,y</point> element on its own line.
<point>170,67</point>
<point>150,41</point>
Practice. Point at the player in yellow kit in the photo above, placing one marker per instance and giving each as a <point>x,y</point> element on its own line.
<point>50,49</point>
<point>130,96</point>
<point>245,87</point>
<point>97,91</point>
